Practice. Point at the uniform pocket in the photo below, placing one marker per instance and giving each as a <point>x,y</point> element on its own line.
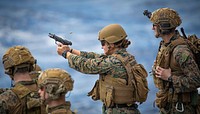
<point>109,96</point>
<point>161,99</point>
<point>94,93</point>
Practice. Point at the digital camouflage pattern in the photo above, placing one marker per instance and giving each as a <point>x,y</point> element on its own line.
<point>185,79</point>
<point>15,101</point>
<point>92,63</point>
<point>184,58</point>
<point>8,100</point>
<point>23,98</point>
<point>120,110</point>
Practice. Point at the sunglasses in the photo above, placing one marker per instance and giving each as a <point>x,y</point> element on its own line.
<point>154,25</point>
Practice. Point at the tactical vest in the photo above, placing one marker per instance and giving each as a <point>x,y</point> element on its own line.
<point>166,92</point>
<point>28,101</point>
<point>114,90</point>
<point>162,60</point>
<point>166,60</point>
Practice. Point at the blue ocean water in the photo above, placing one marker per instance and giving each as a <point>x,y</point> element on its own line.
<point>28,22</point>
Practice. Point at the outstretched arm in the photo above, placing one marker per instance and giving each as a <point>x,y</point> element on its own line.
<point>65,49</point>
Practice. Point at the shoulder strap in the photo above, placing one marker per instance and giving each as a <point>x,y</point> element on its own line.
<point>179,41</point>
<point>21,90</point>
<point>127,65</point>
<point>170,48</point>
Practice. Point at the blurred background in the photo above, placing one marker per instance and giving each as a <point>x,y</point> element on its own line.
<point>28,22</point>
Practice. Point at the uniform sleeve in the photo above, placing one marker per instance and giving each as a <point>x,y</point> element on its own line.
<point>92,65</point>
<point>190,80</point>
<point>3,107</point>
<point>8,100</point>
<point>91,55</point>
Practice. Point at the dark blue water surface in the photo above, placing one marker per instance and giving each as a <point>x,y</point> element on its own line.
<point>28,22</point>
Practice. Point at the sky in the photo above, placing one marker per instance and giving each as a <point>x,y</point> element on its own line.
<point>28,23</point>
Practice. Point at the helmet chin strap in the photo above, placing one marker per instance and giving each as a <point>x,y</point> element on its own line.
<point>45,100</point>
<point>109,49</point>
<point>158,32</point>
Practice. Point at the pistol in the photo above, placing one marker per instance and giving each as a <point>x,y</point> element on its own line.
<point>59,39</point>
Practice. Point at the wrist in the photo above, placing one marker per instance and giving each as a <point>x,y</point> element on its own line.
<point>71,50</point>
<point>64,54</point>
<point>170,79</point>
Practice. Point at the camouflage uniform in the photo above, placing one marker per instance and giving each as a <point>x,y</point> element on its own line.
<point>23,98</point>
<point>22,95</point>
<point>182,91</point>
<point>92,63</point>
<point>178,94</point>
<point>34,75</point>
<point>115,87</point>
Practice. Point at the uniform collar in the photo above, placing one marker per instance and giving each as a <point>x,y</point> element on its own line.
<point>61,106</point>
<point>26,82</point>
<point>174,37</point>
<point>120,51</point>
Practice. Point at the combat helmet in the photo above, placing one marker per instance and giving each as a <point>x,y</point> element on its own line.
<point>17,57</point>
<point>112,33</point>
<point>166,18</point>
<point>56,82</point>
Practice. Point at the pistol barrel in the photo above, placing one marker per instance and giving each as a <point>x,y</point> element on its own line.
<point>59,39</point>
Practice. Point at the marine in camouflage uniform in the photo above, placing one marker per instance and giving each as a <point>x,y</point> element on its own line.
<point>113,75</point>
<point>175,72</point>
<point>54,83</point>
<point>23,98</point>
<point>34,75</point>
